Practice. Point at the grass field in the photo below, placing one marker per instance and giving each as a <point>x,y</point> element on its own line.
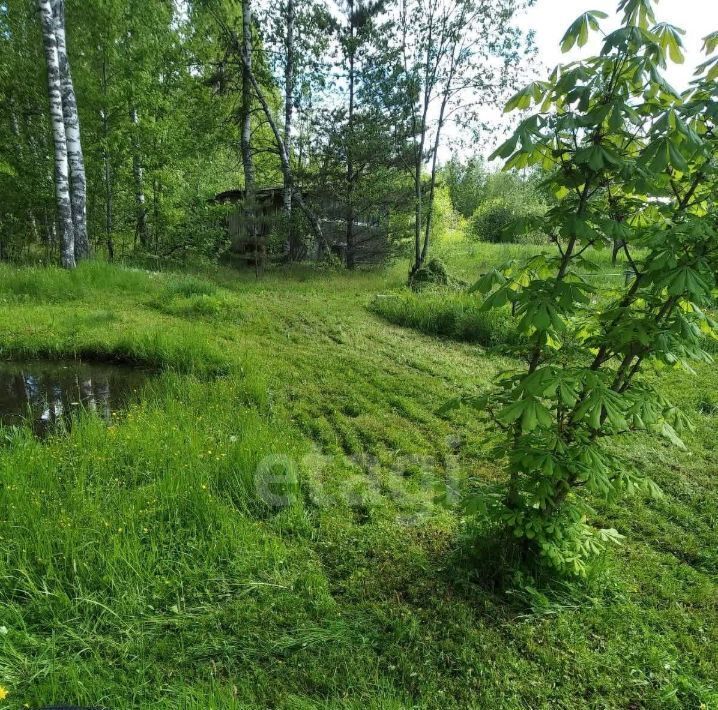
<point>259,528</point>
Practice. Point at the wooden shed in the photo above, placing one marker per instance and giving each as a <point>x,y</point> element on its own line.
<point>251,244</point>
<point>370,230</point>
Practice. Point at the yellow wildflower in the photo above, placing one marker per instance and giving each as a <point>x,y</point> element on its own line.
<point>3,693</point>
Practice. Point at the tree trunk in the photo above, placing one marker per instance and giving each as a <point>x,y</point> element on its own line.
<point>156,204</point>
<point>107,165</point>
<point>615,250</point>
<point>417,206</point>
<point>350,255</point>
<point>294,249</point>
<point>246,131</point>
<point>419,253</point>
<point>138,174</point>
<point>437,143</point>
<point>284,160</point>
<point>76,163</point>
<point>429,83</point>
<point>108,202</point>
<point>432,183</point>
<point>62,184</point>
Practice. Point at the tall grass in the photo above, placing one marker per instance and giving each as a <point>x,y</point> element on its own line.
<point>457,314</point>
<point>141,565</point>
<point>447,313</point>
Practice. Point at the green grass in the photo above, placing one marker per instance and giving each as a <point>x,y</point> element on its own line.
<point>447,313</point>
<point>453,312</point>
<point>146,565</point>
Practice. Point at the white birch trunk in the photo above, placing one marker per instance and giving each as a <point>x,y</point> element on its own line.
<point>62,184</point>
<point>76,163</point>
<point>288,106</point>
<point>246,136</point>
<point>138,174</point>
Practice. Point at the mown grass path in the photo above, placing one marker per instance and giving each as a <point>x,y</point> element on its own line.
<point>259,529</point>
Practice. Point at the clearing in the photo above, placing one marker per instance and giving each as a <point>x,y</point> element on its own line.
<point>259,528</point>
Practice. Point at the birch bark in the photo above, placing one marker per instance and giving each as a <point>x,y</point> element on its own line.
<point>75,160</point>
<point>138,175</point>
<point>288,106</point>
<point>62,183</point>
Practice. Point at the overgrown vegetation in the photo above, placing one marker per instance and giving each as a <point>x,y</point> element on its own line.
<point>500,206</point>
<point>288,513</point>
<point>142,567</point>
<point>449,314</point>
<point>633,163</point>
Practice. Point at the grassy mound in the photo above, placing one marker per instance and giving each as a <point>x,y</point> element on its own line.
<point>447,313</point>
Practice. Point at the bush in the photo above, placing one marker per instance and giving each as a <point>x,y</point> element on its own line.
<point>509,204</point>
<point>466,182</point>
<point>499,220</point>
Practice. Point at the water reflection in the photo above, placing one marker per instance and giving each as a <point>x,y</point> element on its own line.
<point>47,394</point>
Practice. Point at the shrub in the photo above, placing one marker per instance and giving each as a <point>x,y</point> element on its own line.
<point>648,179</point>
<point>502,219</point>
<point>509,204</point>
<point>466,182</point>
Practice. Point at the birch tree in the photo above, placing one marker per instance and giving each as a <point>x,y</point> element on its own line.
<point>459,56</point>
<point>295,37</point>
<point>76,163</point>
<point>246,126</point>
<point>62,182</point>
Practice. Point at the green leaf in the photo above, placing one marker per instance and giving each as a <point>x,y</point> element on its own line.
<point>498,299</point>
<point>710,43</point>
<point>676,158</point>
<point>449,406</point>
<point>637,12</point>
<point>513,412</point>
<point>568,393</point>
<point>506,149</point>
<point>670,433</point>
<point>577,33</point>
<point>669,40</point>
<point>610,535</point>
<point>488,281</point>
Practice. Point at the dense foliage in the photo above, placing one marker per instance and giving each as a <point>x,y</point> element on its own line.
<point>509,209</point>
<point>628,160</point>
<point>498,204</point>
<point>166,110</point>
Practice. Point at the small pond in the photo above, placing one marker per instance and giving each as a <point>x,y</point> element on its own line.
<point>47,394</point>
